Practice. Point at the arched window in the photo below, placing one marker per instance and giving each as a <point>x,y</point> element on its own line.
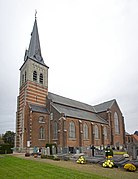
<point>72,130</point>
<point>22,78</point>
<point>85,131</point>
<point>55,133</point>
<point>116,123</point>
<point>96,132</point>
<point>34,76</point>
<point>41,119</point>
<point>25,76</point>
<point>41,78</point>
<point>41,133</point>
<point>105,132</point>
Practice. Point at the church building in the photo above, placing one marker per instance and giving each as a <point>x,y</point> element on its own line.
<point>46,118</point>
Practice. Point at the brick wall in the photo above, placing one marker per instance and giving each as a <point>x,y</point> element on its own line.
<point>32,126</point>
<point>63,132</point>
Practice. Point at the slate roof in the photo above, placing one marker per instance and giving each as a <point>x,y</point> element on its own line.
<point>34,50</point>
<point>78,113</point>
<point>69,102</point>
<point>135,137</point>
<point>76,109</point>
<point>103,106</point>
<point>37,108</point>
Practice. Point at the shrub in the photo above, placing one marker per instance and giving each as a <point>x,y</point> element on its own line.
<point>6,149</point>
<point>109,156</point>
<point>27,154</point>
<point>81,160</point>
<point>50,157</point>
<point>47,156</point>
<point>108,152</point>
<point>108,164</point>
<point>53,157</point>
<point>130,167</point>
<point>43,156</point>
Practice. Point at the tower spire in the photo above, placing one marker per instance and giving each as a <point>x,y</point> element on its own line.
<point>34,50</point>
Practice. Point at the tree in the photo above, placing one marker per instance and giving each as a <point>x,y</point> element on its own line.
<point>1,140</point>
<point>8,137</point>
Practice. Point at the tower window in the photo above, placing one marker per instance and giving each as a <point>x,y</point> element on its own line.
<point>41,78</point>
<point>22,79</point>
<point>34,76</point>
<point>25,76</point>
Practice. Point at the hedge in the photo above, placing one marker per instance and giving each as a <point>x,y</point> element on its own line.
<point>6,149</point>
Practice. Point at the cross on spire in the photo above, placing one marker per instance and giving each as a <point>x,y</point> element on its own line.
<point>35,13</point>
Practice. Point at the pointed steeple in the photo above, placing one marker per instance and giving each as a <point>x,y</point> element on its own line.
<point>34,50</point>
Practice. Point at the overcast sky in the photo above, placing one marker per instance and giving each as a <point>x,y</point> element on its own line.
<point>90,46</point>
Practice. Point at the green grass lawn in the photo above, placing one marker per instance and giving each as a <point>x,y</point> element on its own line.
<point>12,167</point>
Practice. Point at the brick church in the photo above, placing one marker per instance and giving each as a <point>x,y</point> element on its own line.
<point>43,117</point>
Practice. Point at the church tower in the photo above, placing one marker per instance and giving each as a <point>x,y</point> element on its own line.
<point>33,88</point>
